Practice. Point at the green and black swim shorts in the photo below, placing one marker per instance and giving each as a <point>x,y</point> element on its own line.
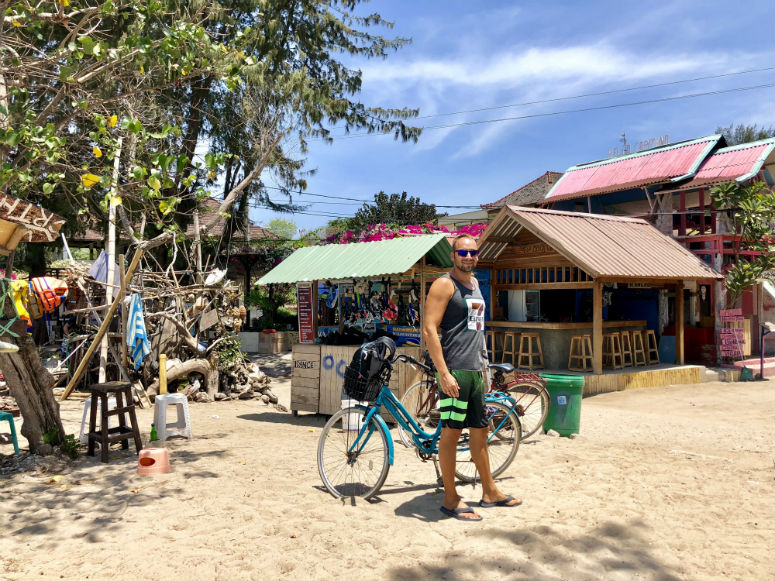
<point>467,410</point>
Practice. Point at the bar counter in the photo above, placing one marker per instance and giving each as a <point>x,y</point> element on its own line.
<point>556,337</point>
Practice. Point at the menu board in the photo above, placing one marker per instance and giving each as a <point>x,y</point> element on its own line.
<point>306,322</point>
<point>731,339</point>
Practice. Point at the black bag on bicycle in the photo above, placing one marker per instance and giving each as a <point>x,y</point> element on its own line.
<point>369,368</point>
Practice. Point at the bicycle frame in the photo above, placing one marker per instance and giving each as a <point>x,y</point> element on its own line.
<point>424,441</point>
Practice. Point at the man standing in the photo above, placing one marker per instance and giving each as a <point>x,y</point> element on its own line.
<point>456,306</point>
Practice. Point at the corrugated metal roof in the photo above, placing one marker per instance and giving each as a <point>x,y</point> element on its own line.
<point>531,193</point>
<point>360,260</point>
<point>603,246</point>
<point>739,162</point>
<point>645,168</point>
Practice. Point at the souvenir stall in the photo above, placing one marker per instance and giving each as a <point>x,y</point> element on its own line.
<point>351,293</point>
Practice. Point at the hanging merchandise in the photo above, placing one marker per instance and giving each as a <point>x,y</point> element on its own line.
<point>48,293</point>
<point>99,272</point>
<point>136,336</point>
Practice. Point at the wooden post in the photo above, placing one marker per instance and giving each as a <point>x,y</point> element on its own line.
<point>111,256</point>
<point>103,327</point>
<point>124,314</point>
<point>422,304</point>
<point>162,374</point>
<point>597,327</point>
<point>679,322</point>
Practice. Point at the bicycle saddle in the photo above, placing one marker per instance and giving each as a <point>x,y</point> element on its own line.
<point>502,367</point>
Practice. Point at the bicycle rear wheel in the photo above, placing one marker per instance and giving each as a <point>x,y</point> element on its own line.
<point>422,402</point>
<point>532,402</point>
<point>352,456</point>
<point>504,436</point>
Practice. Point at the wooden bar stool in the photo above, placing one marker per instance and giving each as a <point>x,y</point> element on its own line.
<point>580,358</point>
<point>652,350</point>
<point>492,339</point>
<point>612,350</point>
<point>510,352</point>
<point>626,349</point>
<point>530,357</point>
<point>638,353</point>
<point>124,410</point>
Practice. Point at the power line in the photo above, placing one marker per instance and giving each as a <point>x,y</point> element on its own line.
<point>601,93</point>
<point>583,110</point>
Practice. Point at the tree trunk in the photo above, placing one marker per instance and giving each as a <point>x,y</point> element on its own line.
<point>30,384</point>
<point>181,368</point>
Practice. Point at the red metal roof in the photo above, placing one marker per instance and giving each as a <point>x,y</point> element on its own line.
<point>610,247</point>
<point>740,162</point>
<point>654,166</point>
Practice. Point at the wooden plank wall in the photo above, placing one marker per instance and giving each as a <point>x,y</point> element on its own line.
<point>644,378</point>
<point>305,378</point>
<point>334,359</point>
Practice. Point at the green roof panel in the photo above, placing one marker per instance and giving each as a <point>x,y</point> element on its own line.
<point>361,259</point>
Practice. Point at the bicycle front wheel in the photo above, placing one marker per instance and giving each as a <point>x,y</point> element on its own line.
<point>422,403</point>
<point>504,436</point>
<point>532,403</point>
<point>353,455</point>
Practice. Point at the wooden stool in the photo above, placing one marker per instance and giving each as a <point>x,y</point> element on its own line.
<point>652,351</point>
<point>612,350</point>
<point>125,406</point>
<point>580,358</point>
<point>527,355</point>
<point>491,339</point>
<point>626,349</point>
<point>638,353</point>
<point>509,353</point>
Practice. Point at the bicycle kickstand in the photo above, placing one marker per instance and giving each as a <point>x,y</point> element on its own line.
<point>439,480</point>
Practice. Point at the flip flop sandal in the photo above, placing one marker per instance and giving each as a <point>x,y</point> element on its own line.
<point>458,512</point>
<point>501,502</point>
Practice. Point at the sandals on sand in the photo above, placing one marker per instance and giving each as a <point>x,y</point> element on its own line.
<point>458,512</point>
<point>502,502</point>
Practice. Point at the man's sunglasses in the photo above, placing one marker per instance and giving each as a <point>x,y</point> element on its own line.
<point>464,253</point>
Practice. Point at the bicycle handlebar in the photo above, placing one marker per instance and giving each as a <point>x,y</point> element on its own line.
<point>412,361</point>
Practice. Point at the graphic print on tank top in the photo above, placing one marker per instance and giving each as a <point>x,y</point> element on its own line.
<point>475,314</point>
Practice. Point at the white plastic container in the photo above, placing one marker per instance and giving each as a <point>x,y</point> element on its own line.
<point>352,421</point>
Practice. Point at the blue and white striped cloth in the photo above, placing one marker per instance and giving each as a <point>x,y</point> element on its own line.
<point>136,337</point>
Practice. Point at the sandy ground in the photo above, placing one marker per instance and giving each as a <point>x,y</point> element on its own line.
<point>663,483</point>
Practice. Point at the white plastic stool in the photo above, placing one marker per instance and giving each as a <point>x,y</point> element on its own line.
<point>83,438</point>
<point>182,427</point>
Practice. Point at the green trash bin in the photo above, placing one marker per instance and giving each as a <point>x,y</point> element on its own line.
<point>565,403</point>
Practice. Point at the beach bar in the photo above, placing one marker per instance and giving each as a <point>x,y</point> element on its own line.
<point>593,294</point>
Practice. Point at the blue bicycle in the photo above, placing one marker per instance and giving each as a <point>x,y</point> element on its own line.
<point>355,450</point>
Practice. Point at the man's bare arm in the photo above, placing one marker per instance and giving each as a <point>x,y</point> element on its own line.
<point>436,302</point>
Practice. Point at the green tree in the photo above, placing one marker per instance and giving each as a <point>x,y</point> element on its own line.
<point>144,104</point>
<point>395,209</point>
<point>737,134</point>
<point>752,209</point>
<point>285,229</point>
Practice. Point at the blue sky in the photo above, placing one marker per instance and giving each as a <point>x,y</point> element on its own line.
<point>489,55</point>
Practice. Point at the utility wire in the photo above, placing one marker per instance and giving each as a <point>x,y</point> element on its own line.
<point>601,93</point>
<point>583,110</point>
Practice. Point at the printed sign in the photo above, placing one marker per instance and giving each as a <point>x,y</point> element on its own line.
<point>208,319</point>
<point>306,324</point>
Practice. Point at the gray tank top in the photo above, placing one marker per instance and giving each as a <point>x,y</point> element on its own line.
<point>462,328</point>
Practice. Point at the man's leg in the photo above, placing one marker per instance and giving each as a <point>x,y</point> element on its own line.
<point>481,458</point>
<point>447,460</point>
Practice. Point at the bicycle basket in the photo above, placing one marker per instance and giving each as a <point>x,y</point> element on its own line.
<point>364,387</point>
<point>369,369</point>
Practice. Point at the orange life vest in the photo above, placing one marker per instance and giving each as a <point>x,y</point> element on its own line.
<point>48,292</point>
